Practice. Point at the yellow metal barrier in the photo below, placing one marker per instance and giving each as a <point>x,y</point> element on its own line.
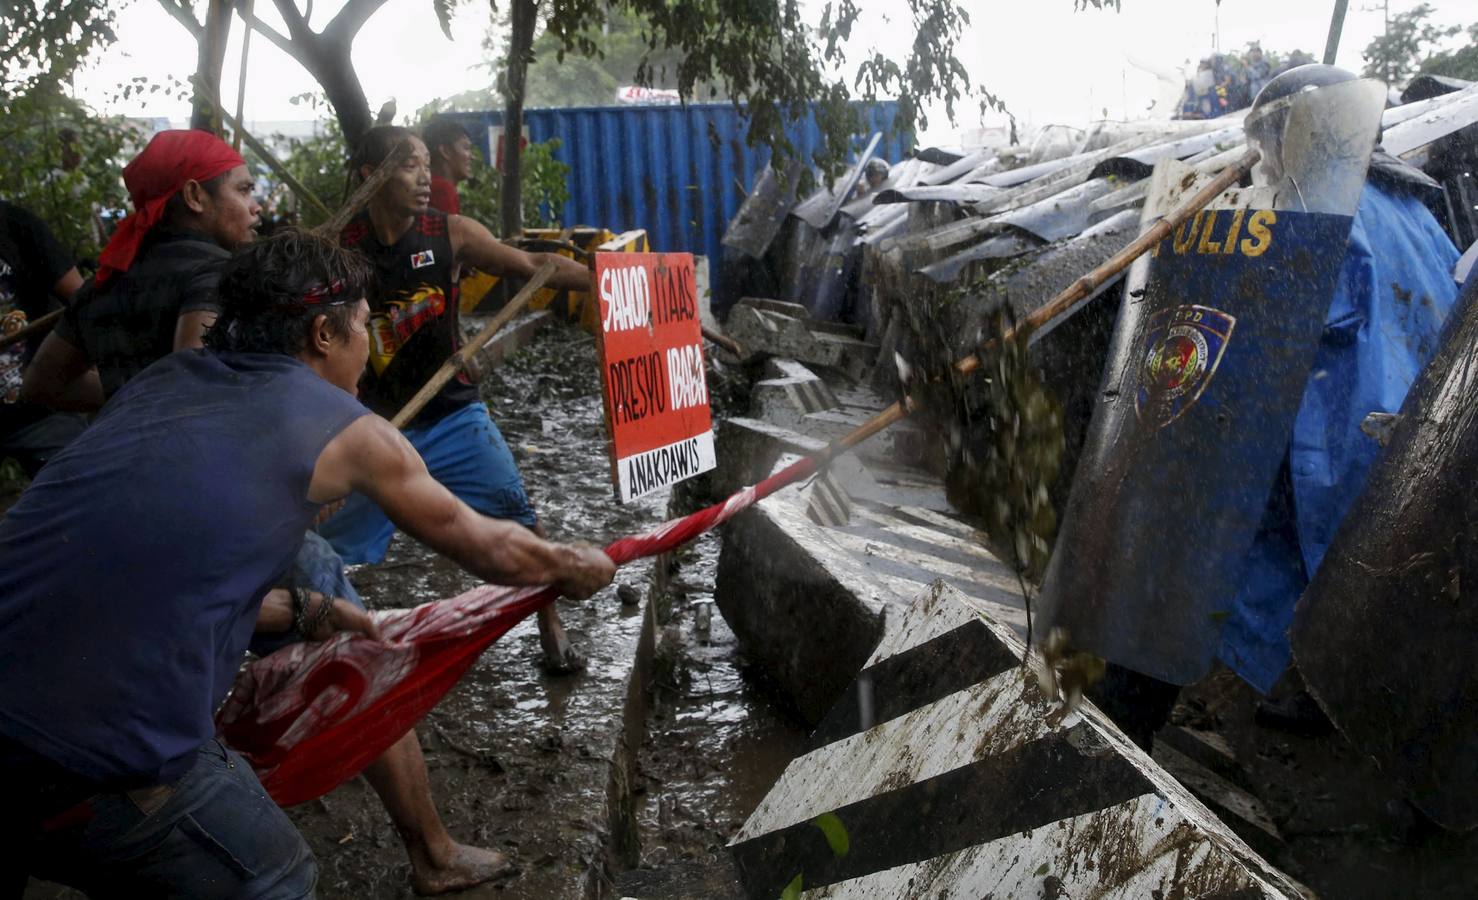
<point>576,306</point>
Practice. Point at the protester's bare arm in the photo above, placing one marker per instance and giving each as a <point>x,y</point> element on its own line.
<point>61,377</point>
<point>276,615</point>
<point>475,246</point>
<point>68,284</point>
<point>190,328</point>
<point>372,457</point>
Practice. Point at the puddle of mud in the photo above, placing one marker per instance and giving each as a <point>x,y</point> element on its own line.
<point>716,744</point>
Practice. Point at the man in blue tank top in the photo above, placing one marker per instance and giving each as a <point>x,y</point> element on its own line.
<point>136,567</point>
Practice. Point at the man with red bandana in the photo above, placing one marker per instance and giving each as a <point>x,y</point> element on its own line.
<point>193,204</point>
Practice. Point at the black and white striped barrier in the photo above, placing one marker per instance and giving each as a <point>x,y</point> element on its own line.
<point>949,776</point>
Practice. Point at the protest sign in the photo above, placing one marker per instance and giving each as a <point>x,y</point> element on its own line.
<point>652,372</point>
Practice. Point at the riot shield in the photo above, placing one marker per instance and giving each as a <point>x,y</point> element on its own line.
<point>1384,634</point>
<point>1205,373</point>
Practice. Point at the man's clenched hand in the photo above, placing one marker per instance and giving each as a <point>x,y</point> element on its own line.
<point>588,570</point>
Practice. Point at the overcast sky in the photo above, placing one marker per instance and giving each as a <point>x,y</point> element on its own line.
<point>1047,62</point>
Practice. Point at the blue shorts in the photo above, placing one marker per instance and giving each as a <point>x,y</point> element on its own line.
<point>466,453</point>
<point>213,834</point>
<point>316,568</point>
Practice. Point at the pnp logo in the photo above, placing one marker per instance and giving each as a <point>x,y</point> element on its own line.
<point>422,260</point>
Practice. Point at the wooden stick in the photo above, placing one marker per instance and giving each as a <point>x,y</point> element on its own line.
<point>296,186</point>
<point>335,223</point>
<point>40,326</point>
<point>1084,287</point>
<point>457,360</point>
<point>1074,294</point>
<point>724,341</point>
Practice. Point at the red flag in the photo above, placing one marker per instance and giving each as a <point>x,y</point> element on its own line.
<point>311,716</point>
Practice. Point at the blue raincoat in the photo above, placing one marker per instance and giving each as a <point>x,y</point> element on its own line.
<point>1394,292</point>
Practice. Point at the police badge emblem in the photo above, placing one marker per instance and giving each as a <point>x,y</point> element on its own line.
<point>1183,347</point>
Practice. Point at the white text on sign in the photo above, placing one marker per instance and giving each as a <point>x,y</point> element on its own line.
<point>643,473</point>
<point>634,301</point>
<point>685,376</point>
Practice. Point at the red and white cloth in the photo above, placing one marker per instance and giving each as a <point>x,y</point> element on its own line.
<point>312,716</point>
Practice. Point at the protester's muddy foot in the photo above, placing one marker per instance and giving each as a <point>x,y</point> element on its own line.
<point>468,867</point>
<point>560,657</point>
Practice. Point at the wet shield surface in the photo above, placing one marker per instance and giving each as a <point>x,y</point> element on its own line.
<point>1384,635</point>
<point>1204,377</point>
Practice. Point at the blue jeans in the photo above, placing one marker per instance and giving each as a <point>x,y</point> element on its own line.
<point>467,454</point>
<point>214,834</point>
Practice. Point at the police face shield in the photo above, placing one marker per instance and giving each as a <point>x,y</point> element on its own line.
<point>1316,145</point>
<point>1205,374</point>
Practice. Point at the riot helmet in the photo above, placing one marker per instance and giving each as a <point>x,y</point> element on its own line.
<point>876,172</point>
<point>1269,115</point>
<point>1300,137</point>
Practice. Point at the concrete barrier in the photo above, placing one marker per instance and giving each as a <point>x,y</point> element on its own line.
<point>775,328</point>
<point>942,772</point>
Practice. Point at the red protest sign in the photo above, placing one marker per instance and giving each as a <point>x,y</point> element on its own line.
<point>651,369</point>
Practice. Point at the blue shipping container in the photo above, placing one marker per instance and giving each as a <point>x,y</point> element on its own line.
<point>658,168</point>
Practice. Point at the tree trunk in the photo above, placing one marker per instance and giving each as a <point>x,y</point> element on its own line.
<point>211,57</point>
<point>524,14</point>
<point>334,72</point>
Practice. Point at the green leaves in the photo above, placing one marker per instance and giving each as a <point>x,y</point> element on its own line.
<point>1399,52</point>
<point>42,44</point>
<point>63,163</point>
<point>836,838</point>
<point>835,832</point>
<point>765,55</point>
<point>793,890</point>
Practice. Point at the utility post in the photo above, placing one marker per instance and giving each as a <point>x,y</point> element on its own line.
<point>1336,25</point>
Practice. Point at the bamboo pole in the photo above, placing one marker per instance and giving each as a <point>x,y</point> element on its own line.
<point>459,359</point>
<point>724,341</point>
<point>40,326</point>
<point>362,194</point>
<point>261,150</point>
<point>1074,294</point>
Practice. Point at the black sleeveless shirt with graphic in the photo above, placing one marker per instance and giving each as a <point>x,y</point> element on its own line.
<point>414,325</point>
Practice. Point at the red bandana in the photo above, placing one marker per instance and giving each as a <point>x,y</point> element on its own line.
<point>171,159</point>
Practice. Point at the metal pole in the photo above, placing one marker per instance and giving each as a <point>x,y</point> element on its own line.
<point>1336,25</point>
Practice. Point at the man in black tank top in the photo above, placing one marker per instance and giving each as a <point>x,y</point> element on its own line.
<point>418,254</point>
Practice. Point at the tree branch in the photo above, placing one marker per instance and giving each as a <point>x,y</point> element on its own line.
<point>266,31</point>
<point>184,16</point>
<point>347,22</point>
<point>297,26</point>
